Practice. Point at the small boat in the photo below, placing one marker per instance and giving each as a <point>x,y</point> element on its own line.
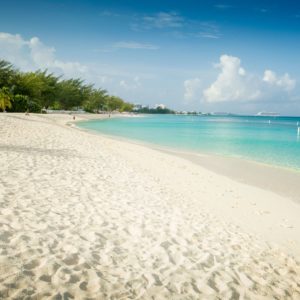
<point>268,114</point>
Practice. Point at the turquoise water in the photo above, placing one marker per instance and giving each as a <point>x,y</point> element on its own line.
<point>272,140</point>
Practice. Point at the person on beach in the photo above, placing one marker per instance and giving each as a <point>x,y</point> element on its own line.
<point>73,117</point>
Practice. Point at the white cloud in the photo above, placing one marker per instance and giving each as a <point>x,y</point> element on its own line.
<point>191,87</point>
<point>123,84</point>
<point>108,13</point>
<point>232,83</point>
<point>235,84</point>
<point>284,81</point>
<point>127,45</point>
<point>177,25</point>
<point>160,20</point>
<point>205,30</point>
<point>12,48</point>
<point>270,77</point>
<point>207,35</point>
<point>163,20</point>
<point>135,45</point>
<point>33,54</point>
<point>132,84</point>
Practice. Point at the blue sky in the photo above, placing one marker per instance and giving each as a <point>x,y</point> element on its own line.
<point>238,56</point>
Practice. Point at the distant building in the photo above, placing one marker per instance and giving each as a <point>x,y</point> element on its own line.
<point>161,106</point>
<point>137,106</point>
<point>182,112</point>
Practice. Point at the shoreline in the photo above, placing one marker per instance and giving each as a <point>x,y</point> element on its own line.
<point>87,216</point>
<point>199,152</point>
<point>281,180</point>
<point>278,191</point>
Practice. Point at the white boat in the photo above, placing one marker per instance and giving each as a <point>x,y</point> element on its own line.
<point>268,114</point>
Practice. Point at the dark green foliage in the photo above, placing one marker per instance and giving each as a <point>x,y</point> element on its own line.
<point>33,106</point>
<point>33,91</point>
<point>158,110</point>
<point>5,98</point>
<point>19,103</point>
<point>7,73</point>
<point>127,107</point>
<point>96,101</point>
<point>71,93</point>
<point>114,103</point>
<point>49,89</point>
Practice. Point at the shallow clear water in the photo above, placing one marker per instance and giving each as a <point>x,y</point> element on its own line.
<point>272,140</point>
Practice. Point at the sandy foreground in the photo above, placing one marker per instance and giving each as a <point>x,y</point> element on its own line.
<point>83,216</point>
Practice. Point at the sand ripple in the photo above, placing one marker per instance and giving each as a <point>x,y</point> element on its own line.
<point>79,222</point>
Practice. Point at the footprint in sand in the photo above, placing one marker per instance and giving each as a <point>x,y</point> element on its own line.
<point>285,224</point>
<point>262,212</point>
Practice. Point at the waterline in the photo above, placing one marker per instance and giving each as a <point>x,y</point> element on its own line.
<point>273,141</point>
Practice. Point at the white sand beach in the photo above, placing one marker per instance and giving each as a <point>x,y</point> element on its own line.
<point>84,216</point>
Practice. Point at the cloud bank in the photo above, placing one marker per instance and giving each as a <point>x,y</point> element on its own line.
<point>163,20</point>
<point>134,45</point>
<point>191,89</point>
<point>32,54</point>
<point>177,25</point>
<point>130,85</point>
<point>233,83</point>
<point>284,82</point>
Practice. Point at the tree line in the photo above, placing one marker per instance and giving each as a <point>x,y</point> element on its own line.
<point>34,91</point>
<point>157,110</point>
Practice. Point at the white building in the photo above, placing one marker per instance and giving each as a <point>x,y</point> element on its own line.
<point>162,106</point>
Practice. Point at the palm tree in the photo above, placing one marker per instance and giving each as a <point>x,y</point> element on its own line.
<point>5,98</point>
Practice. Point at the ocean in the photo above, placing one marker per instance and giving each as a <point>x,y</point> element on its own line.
<point>270,140</point>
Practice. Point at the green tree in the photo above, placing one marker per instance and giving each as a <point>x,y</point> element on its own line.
<point>28,84</point>
<point>49,88</point>
<point>114,103</point>
<point>96,100</point>
<point>19,103</point>
<point>72,93</point>
<point>7,74</point>
<point>40,87</point>
<point>31,85</point>
<point>126,107</point>
<point>21,91</point>
<point>5,98</point>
